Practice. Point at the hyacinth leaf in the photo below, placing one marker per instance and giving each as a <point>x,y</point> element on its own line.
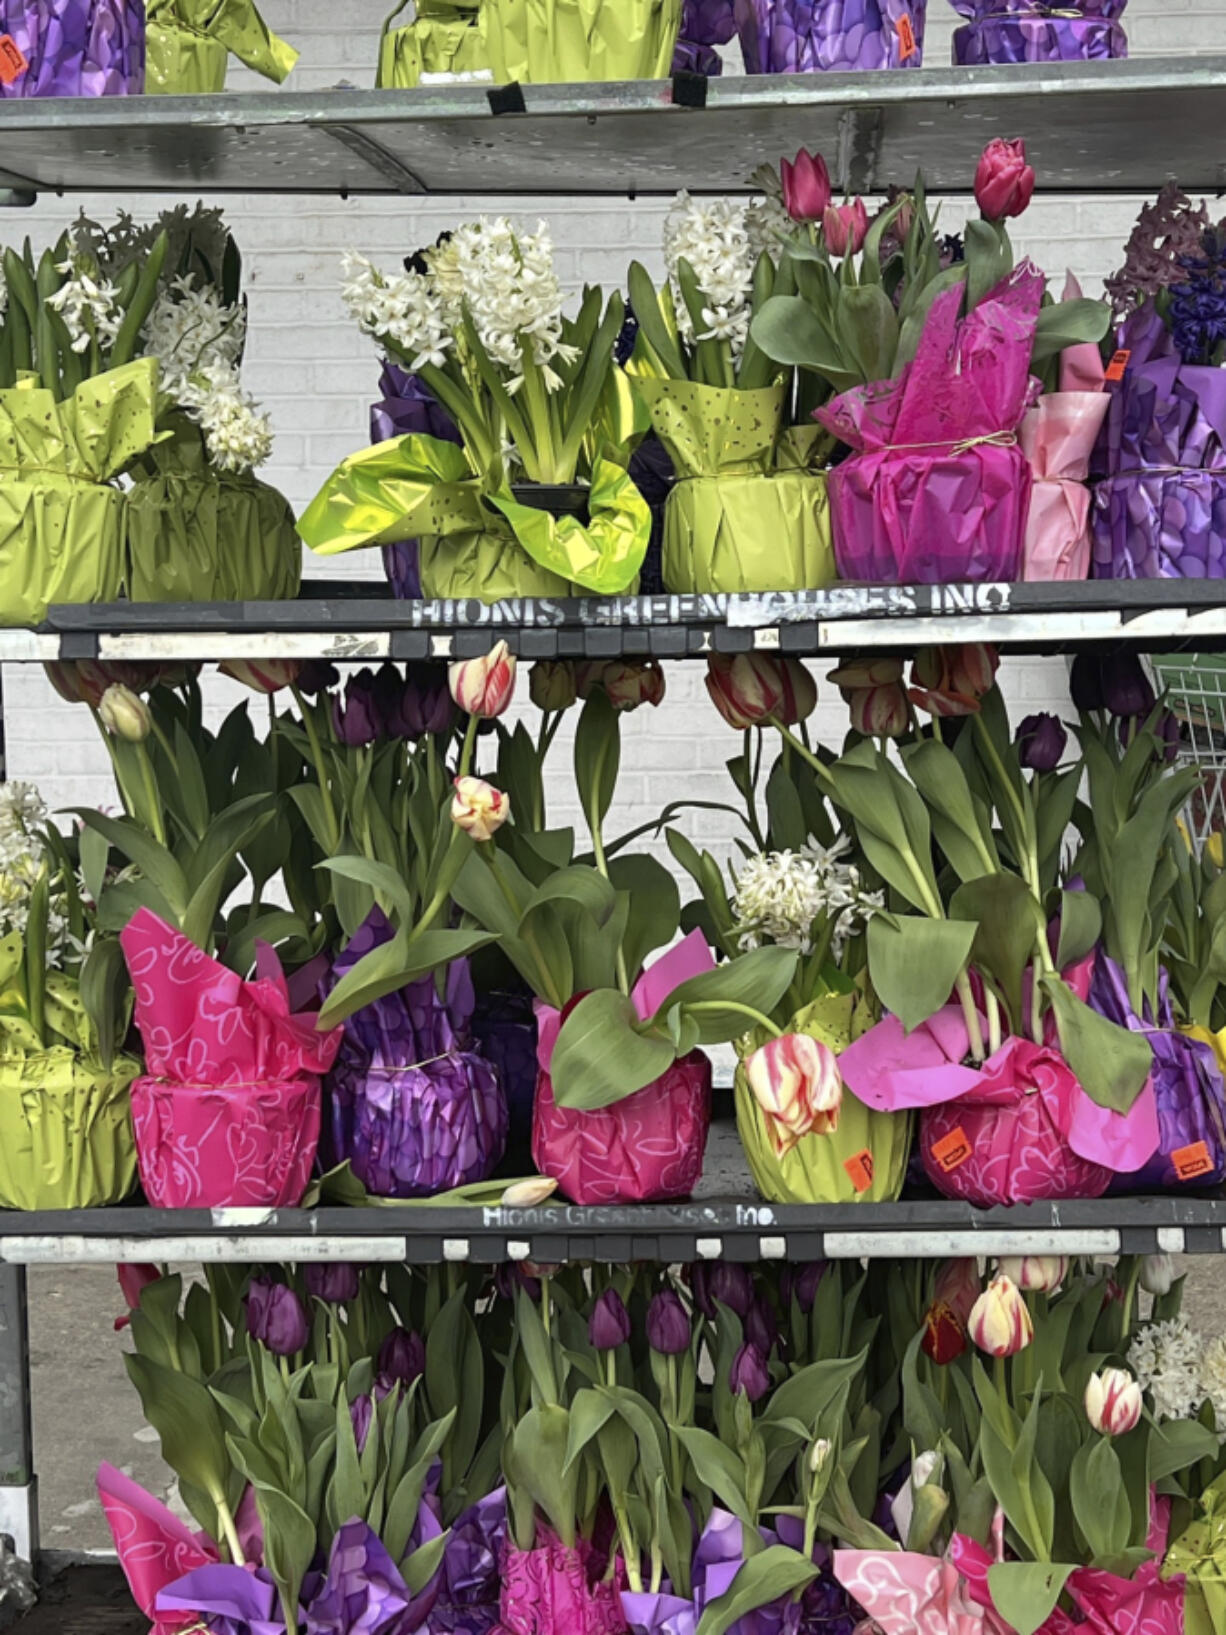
<point>1111,1063</point>
<point>914,963</point>
<point>764,1578</point>
<point>1025,1593</point>
<point>601,1055</point>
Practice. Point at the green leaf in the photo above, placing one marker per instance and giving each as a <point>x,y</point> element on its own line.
<point>654,907</point>
<point>1111,1063</point>
<point>393,965</point>
<point>1068,323</point>
<point>601,1056</point>
<point>718,1467</point>
<point>419,1568</point>
<point>938,775</point>
<point>869,323</point>
<point>597,756</point>
<point>1081,925</point>
<point>139,847</point>
<point>183,1413</point>
<point>989,258</point>
<point>94,850</point>
<point>768,1576</point>
<point>757,980</point>
<point>576,884</point>
<point>589,1413</point>
<point>1177,1444</point>
<point>384,881</point>
<point>1099,1498</point>
<point>1025,1593</point>
<point>914,963</point>
<point>105,990</point>
<point>1008,921</point>
<point>455,1380</point>
<point>788,330</point>
<point>534,1458</point>
<point>289,1543</point>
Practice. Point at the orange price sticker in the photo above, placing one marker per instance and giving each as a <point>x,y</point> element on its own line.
<point>906,37</point>
<point>1118,364</point>
<point>1192,1161</point>
<point>12,59</point>
<point>952,1149</point>
<point>860,1167</point>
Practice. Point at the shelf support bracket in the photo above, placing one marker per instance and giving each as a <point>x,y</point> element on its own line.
<point>377,157</point>
<point>861,132</point>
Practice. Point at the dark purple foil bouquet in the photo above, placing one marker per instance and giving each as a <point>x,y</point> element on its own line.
<point>413,1107</point>
<point>1002,31</point>
<point>830,36</point>
<point>76,48</point>
<point>1159,511</point>
<point>406,406</point>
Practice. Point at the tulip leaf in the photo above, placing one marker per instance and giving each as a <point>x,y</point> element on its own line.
<point>719,1468</point>
<point>1069,323</point>
<point>589,1414</point>
<point>1178,1443</point>
<point>289,1543</point>
<point>419,1568</point>
<point>1111,1063</point>
<point>534,1457</point>
<point>576,884</point>
<point>788,330</point>
<point>1099,1498</point>
<point>185,1416</point>
<point>154,861</point>
<point>386,882</point>
<point>756,981</point>
<point>962,836</point>
<point>455,1380</point>
<point>653,903</point>
<point>597,756</point>
<point>1025,1593</point>
<point>870,323</point>
<point>601,1055</point>
<point>1081,925</point>
<point>914,963</point>
<point>989,259</point>
<point>1008,921</point>
<point>763,1579</point>
<point>393,965</point>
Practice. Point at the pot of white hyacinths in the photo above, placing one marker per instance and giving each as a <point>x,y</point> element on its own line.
<point>540,406</point>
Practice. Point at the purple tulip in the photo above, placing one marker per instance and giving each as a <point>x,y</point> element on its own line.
<point>749,1373</point>
<point>356,719</point>
<point>725,1281</point>
<point>1115,682</point>
<point>276,1317</point>
<point>362,1414</point>
<point>333,1281</point>
<point>402,1358</point>
<point>609,1325</point>
<point>761,1327</point>
<point>427,705</point>
<point>316,676</point>
<point>1041,741</point>
<point>668,1325</point>
<point>804,1286</point>
<point>1167,729</point>
<point>511,1277</point>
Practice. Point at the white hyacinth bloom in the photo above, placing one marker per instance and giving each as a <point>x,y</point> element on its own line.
<point>1166,1359</point>
<point>87,302</point>
<point>780,895</point>
<point>721,239</point>
<point>238,437</point>
<point>22,814</point>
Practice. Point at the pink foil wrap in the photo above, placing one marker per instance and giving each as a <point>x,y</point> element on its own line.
<point>153,1545</point>
<point>909,1594</point>
<point>229,1112</point>
<point>937,490</point>
<point>552,1590</point>
<point>1057,438</point>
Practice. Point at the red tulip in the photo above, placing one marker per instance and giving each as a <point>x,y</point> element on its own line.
<point>133,1279</point>
<point>844,227</point>
<point>806,186</point>
<point>1004,182</point>
<point>944,1336</point>
<point>484,686</point>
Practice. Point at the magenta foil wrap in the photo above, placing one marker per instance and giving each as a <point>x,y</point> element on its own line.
<point>76,48</point>
<point>816,36</point>
<point>413,1108</point>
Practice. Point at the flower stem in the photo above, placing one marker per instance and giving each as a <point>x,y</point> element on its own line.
<point>971,1014</point>
<point>317,756</point>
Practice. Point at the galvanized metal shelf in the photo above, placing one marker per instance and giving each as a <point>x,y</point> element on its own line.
<point>1116,127</point>
<point>335,623</point>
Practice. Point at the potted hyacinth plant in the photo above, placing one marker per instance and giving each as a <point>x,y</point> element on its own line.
<point>535,395</point>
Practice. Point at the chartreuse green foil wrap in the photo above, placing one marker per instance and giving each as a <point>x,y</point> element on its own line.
<point>418,486</point>
<point>187,43</point>
<point>826,1169</point>
<point>61,520</point>
<point>1200,1554</point>
<point>550,41</point>
<point>197,534</point>
<point>749,511</point>
<point>483,565</point>
<point>66,1138</point>
<point>441,39</point>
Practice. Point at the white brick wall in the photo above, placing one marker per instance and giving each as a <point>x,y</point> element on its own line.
<point>316,373</point>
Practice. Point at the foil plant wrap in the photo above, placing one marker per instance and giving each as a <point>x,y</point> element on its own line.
<point>1196,1562</point>
<point>444,39</point>
<point>554,1589</point>
<point>471,1579</point>
<point>228,1112</point>
<point>504,1028</point>
<point>1188,1087</point>
<point>814,36</point>
<point>570,41</point>
<point>412,1106</point>
<point>1004,31</point>
<point>66,1137</point>
<point>704,25</point>
<point>938,490</point>
<point>1160,507</point>
<point>190,43</point>
<point>406,405</point>
<point>76,48</point>
<point>863,1161</point>
<point>154,1547</point>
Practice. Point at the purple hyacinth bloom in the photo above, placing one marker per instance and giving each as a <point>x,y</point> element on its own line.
<point>1041,741</point>
<point>402,1358</point>
<point>761,1327</point>
<point>668,1324</point>
<point>356,716</point>
<point>609,1325</point>
<point>276,1317</point>
<point>362,1414</point>
<point>334,1281</point>
<point>749,1373</point>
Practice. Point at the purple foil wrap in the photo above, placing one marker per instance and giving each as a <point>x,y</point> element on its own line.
<point>76,48</point>
<point>413,1108</point>
<point>1038,37</point>
<point>1187,1085</point>
<point>689,57</point>
<point>471,1577</point>
<point>504,1028</point>
<point>652,473</point>
<point>1162,513</point>
<point>808,36</point>
<point>407,406</point>
<point>708,22</point>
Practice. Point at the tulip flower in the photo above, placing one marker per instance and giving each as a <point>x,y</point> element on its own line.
<point>552,685</point>
<point>629,685</point>
<point>1215,851</point>
<point>1041,741</point>
<point>799,693</point>
<point>402,1358</point>
<point>844,227</point>
<point>806,1282</point>
<point>806,186</point>
<point>1157,1274</point>
<point>762,1327</point>
<point>950,681</point>
<point>860,675</point>
<point>609,1325</point>
<point>749,1373</point>
<point>478,808</point>
<point>332,1281</point>
<point>1116,683</point>
<point>724,1280</point>
<point>276,1317</point>
<point>529,1194</point>
<point>879,712</point>
<point>316,676</point>
<point>1000,1323</point>
<point>511,1277</point>
<point>796,1082</point>
<point>1113,1402</point>
<point>819,1455</point>
<point>357,719</point>
<point>125,714</point>
<point>1038,1274</point>
<point>263,675</point>
<point>83,681</point>
<point>133,1280</point>
<point>944,1335</point>
<point>484,686</point>
<point>426,705</point>
<point>750,688</point>
<point>361,1417</point>
<point>1004,182</point>
<point>668,1325</point>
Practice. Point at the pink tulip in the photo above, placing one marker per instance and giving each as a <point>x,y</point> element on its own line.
<point>879,712</point>
<point>484,686</point>
<point>1113,1402</point>
<point>630,684</point>
<point>796,1082</point>
<point>1004,182</point>
<point>478,808</point>
<point>1000,1324</point>
<point>132,1280</point>
<point>806,186</point>
<point>750,688</point>
<point>844,227</point>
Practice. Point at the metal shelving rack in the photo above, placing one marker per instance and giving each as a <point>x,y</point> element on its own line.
<point>1120,127</point>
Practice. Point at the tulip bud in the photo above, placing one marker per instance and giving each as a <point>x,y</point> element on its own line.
<point>276,1317</point>
<point>1113,1402</point>
<point>668,1325</point>
<point>1157,1274</point>
<point>860,675</point>
<point>609,1325</point>
<point>263,675</point>
<point>1215,851</point>
<point>949,681</point>
<point>799,693</point>
<point>796,1082</point>
<point>879,712</point>
<point>806,186</point>
<point>844,227</point>
<point>724,1280</point>
<point>553,685</point>
<point>806,1283</point>
<point>761,1327</point>
<point>132,1281</point>
<point>529,1194</point>
<point>361,1416</point>
<point>484,686</point>
<point>125,715</point>
<point>316,676</point>
<point>425,704</point>
<point>629,685</point>
<point>944,1335</point>
<point>357,719</point>
<point>402,1358</point>
<point>819,1455</point>
<point>1040,1274</point>
<point>750,688</point>
<point>478,808</point>
<point>332,1281</point>
<point>1041,742</point>
<point>1004,182</point>
<point>83,681</point>
<point>749,1373</point>
<point>1000,1323</point>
